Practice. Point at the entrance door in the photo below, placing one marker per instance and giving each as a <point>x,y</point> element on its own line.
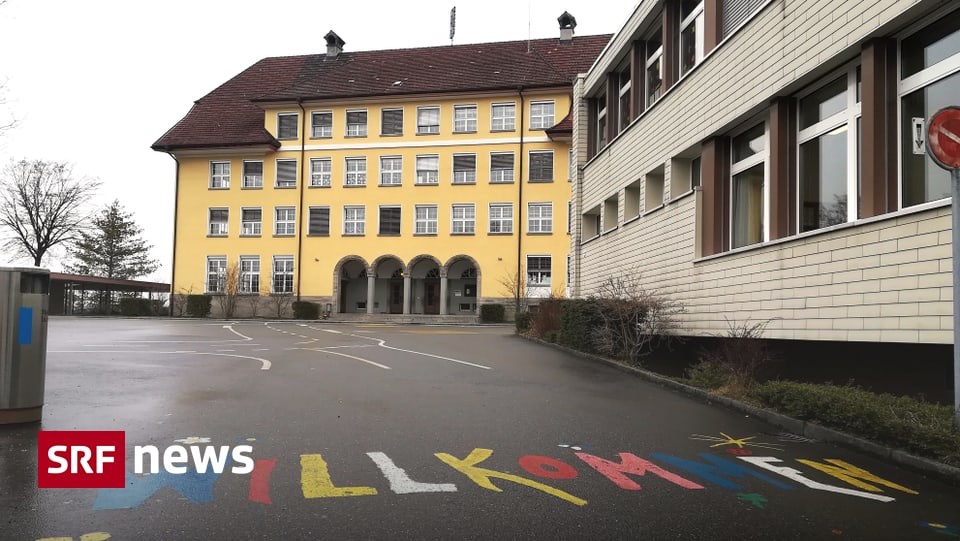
<point>431,297</point>
<point>396,297</point>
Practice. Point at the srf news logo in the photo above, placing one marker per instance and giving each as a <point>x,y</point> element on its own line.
<point>97,459</point>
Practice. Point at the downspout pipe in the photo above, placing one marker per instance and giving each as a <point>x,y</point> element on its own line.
<point>519,213</point>
<point>176,212</point>
<point>300,183</point>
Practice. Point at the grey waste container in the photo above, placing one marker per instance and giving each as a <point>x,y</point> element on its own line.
<point>24,302</point>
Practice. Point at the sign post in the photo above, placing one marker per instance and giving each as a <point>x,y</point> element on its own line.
<point>943,146</point>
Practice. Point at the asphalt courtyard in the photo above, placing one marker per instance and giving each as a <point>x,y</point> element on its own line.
<point>423,432</point>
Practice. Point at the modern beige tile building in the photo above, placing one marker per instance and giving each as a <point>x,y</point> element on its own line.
<point>763,160</point>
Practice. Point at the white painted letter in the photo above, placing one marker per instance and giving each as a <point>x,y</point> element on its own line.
<point>400,482</point>
<point>796,475</point>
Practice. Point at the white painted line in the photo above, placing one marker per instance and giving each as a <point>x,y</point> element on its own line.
<point>385,367</point>
<point>231,329</point>
<point>331,331</point>
<point>226,350</point>
<point>382,343</point>
<point>347,347</point>
<point>264,363</point>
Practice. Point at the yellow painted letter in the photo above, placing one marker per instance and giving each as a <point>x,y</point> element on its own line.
<point>482,476</point>
<point>849,473</point>
<point>316,482</point>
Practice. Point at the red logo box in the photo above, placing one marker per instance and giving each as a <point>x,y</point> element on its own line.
<point>81,459</point>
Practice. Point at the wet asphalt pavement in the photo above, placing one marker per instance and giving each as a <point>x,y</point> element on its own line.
<point>420,432</point>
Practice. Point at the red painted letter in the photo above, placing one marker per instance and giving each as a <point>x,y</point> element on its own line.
<point>630,463</point>
<point>546,467</point>
<point>260,481</point>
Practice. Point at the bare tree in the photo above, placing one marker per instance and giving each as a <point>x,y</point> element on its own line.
<point>254,300</point>
<point>178,301</point>
<point>515,285</point>
<point>635,320</point>
<point>41,204</point>
<point>280,303</point>
<point>11,121</point>
<point>227,299</point>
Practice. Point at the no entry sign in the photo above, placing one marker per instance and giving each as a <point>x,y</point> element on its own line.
<point>943,137</point>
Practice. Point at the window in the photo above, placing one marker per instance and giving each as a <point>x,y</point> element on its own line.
<point>464,118</point>
<point>428,169</point>
<point>218,220</point>
<point>748,173</point>
<point>284,223</point>
<point>538,270</point>
<point>590,223</point>
<point>287,125</point>
<point>356,169</point>
<point>653,189</point>
<point>249,274</point>
<point>283,274</point>
<point>610,213</point>
<point>391,122</point>
<point>501,217</point>
<point>539,217</point>
<point>696,172</point>
<point>623,105</point>
<point>391,170</point>
<point>464,219</point>
<point>501,167</point>
<point>286,173</point>
<point>541,166</point>
<point>425,220</point>
<point>428,120</point>
<point>356,123</point>
<point>503,117</point>
<point>321,171</point>
<point>319,224</point>
<point>250,222</point>
<point>464,168</point>
<point>252,174</point>
<point>828,156</point>
<point>541,115</point>
<point>354,220</point>
<point>600,130</point>
<point>390,220</point>
<point>654,67</point>
<point>930,67</point>
<point>321,124</point>
<point>219,175</point>
<point>691,34</point>
<point>216,273</point>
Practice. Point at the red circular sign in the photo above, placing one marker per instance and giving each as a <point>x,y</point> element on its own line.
<point>943,137</point>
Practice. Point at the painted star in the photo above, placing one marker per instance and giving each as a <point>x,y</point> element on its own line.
<point>739,442</point>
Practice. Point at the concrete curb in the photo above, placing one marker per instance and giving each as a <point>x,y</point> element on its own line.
<point>795,426</point>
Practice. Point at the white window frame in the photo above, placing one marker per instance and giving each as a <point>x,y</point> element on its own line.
<point>495,215</point>
<point>353,173</point>
<point>296,126</point>
<point>222,229</point>
<point>848,117</point>
<point>652,58</point>
<point>252,181</point>
<point>697,20</point>
<point>428,177</point>
<point>321,172</point>
<point>284,221</point>
<point>746,164</point>
<point>503,122</point>
<point>249,269</point>
<point>540,217</point>
<point>428,128</point>
<point>463,121</point>
<point>286,271</point>
<point>464,176</point>
<point>286,183</point>
<point>250,228</point>
<point>539,119</point>
<point>425,219</point>
<point>354,220</point>
<point>220,262</point>
<point>355,129</point>
<point>219,175</point>
<point>624,91</point>
<point>541,282</point>
<point>318,131</point>
<point>463,219</point>
<point>601,125</point>
<point>391,170</point>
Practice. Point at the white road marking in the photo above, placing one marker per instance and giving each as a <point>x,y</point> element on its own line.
<point>400,482</point>
<point>331,331</point>
<point>382,343</point>
<point>234,331</point>
<point>264,363</point>
<point>385,367</point>
<point>226,350</point>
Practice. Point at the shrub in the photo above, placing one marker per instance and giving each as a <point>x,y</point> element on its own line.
<point>136,306</point>
<point>198,305</point>
<point>492,313</point>
<point>741,357</point>
<point>546,319</point>
<point>522,321</point>
<point>306,310</point>
<point>707,375</point>
<point>579,321</point>
<point>921,427</point>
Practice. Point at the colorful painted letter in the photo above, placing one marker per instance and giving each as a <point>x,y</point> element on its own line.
<point>400,482</point>
<point>765,462</point>
<point>316,483</point>
<point>849,473</point>
<point>632,464</point>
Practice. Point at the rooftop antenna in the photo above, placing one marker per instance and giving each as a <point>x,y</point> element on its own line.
<point>453,23</point>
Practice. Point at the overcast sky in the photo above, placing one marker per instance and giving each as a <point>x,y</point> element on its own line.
<point>94,82</point>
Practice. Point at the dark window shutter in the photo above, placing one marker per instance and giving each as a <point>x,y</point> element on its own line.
<point>322,119</point>
<point>392,122</point>
<point>465,162</point>
<point>286,171</point>
<point>734,12</point>
<point>253,168</point>
<point>390,221</point>
<point>320,221</point>
<point>288,127</point>
<point>541,166</point>
<point>356,117</point>
<point>501,161</point>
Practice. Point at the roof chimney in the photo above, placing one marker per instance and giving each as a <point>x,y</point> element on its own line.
<point>567,24</point>
<point>335,44</point>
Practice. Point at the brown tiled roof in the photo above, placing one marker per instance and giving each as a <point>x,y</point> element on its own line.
<point>230,116</point>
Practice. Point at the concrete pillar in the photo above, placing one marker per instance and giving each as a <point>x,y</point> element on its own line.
<point>443,292</point>
<point>407,291</point>
<point>371,288</point>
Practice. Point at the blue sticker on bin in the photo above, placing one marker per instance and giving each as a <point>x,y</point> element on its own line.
<point>25,335</point>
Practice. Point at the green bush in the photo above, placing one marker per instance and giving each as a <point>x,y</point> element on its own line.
<point>707,375</point>
<point>198,305</point>
<point>904,422</point>
<point>492,313</point>
<point>136,306</point>
<point>579,321</point>
<point>522,321</point>
<point>306,310</point>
